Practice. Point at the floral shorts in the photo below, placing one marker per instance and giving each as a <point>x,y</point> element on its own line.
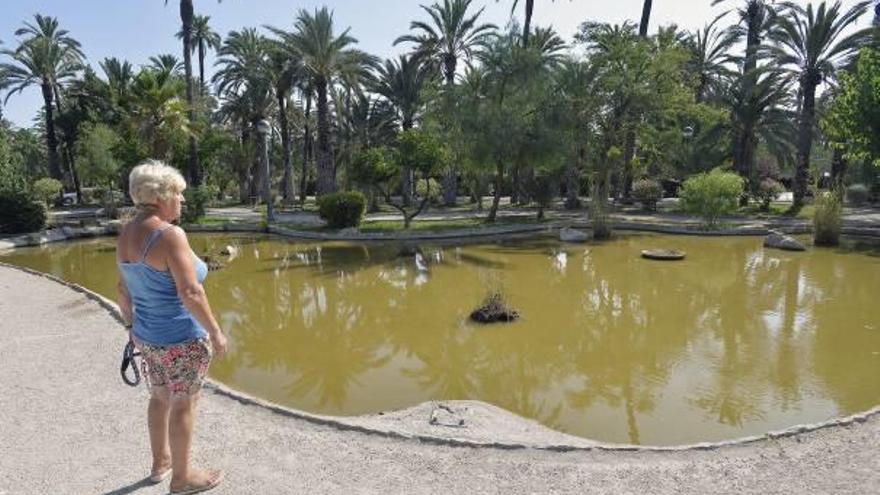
<point>181,367</point>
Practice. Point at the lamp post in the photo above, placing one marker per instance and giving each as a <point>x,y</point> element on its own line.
<point>263,130</point>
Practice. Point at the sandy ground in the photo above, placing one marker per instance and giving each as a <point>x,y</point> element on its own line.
<point>68,425</point>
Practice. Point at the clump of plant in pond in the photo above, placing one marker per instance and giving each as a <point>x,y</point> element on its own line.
<point>827,218</point>
<point>711,195</point>
<point>493,310</point>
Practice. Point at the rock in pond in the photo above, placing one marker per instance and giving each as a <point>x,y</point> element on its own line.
<point>229,250</point>
<point>568,234</point>
<point>779,240</point>
<point>663,254</point>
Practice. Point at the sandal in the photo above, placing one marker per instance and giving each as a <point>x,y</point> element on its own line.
<point>156,478</point>
<point>199,489</point>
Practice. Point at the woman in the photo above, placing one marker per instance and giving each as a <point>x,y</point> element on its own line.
<point>162,297</point>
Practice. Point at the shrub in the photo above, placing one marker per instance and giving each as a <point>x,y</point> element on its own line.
<point>857,194</point>
<point>196,200</point>
<point>711,195</point>
<point>827,218</point>
<point>768,189</point>
<point>430,187</point>
<point>342,209</point>
<point>47,190</point>
<point>647,192</point>
<point>20,213</point>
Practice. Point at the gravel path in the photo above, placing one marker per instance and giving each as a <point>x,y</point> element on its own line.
<point>69,426</point>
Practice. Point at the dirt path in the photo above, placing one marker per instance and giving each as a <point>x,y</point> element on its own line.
<point>69,426</point>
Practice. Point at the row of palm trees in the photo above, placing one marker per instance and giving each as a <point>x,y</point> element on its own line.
<point>360,101</point>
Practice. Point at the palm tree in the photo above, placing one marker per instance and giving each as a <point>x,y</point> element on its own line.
<point>646,18</point>
<point>243,84</point>
<point>811,43</point>
<point>326,59</point>
<point>165,62</point>
<point>709,57</point>
<point>401,82</point>
<point>202,37</point>
<point>284,70</point>
<point>453,35</point>
<point>187,19</point>
<point>527,22</point>
<point>158,113</point>
<point>47,57</point>
<point>756,19</point>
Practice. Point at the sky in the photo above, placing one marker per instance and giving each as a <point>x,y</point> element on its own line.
<point>134,30</point>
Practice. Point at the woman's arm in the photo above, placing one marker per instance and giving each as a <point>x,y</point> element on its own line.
<point>124,302</point>
<point>189,289</point>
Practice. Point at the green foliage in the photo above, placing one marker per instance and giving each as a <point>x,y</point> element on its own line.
<point>429,188</point>
<point>827,218</point>
<point>647,192</point>
<point>342,209</point>
<point>422,151</point>
<point>96,156</point>
<point>857,194</point>
<point>767,191</point>
<point>711,195</point>
<point>20,213</point>
<point>853,122</point>
<point>197,198</point>
<point>47,190</point>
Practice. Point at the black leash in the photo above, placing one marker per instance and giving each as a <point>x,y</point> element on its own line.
<point>128,355</point>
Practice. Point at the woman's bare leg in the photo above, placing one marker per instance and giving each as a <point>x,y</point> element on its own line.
<point>157,421</point>
<point>180,428</point>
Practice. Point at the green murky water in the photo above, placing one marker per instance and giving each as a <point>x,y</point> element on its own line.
<point>735,340</point>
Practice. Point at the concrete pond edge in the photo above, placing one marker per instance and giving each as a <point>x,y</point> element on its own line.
<point>343,424</point>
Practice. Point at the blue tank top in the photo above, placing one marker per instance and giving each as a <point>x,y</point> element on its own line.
<point>160,318</point>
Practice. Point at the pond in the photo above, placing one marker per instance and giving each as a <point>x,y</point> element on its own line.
<point>734,340</point>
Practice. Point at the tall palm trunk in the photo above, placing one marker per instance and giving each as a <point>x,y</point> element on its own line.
<point>307,150</point>
<point>746,142</point>
<point>289,193</point>
<point>406,172</point>
<point>186,17</point>
<point>68,150</point>
<point>326,168</point>
<point>805,139</point>
<point>450,180</point>
<point>202,67</point>
<point>51,137</point>
<point>646,17</point>
<point>527,25</point>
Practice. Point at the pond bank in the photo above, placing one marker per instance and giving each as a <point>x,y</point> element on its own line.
<point>75,428</point>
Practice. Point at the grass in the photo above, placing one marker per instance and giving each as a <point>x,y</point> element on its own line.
<point>441,225</point>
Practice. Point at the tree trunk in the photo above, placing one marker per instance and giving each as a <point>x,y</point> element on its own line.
<point>572,186</point>
<point>805,143</point>
<point>629,152</point>
<point>514,186</point>
<point>67,144</point>
<point>496,195</point>
<point>326,167</point>
<point>527,25</point>
<point>289,193</point>
<point>186,17</point>
<point>307,148</point>
<point>202,67</point>
<point>646,17</point>
<point>450,181</point>
<point>406,173</point>
<point>838,169</point>
<point>51,137</point>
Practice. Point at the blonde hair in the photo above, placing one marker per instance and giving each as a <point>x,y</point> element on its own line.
<point>154,181</point>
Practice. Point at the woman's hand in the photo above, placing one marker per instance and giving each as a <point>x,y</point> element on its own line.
<point>218,342</point>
